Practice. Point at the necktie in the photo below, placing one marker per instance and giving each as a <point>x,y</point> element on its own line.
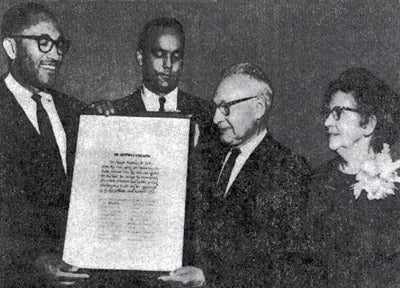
<point>226,172</point>
<point>162,104</point>
<point>51,174</point>
<point>45,128</point>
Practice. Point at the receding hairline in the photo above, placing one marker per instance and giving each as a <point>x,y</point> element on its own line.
<point>43,17</point>
<point>157,32</point>
<point>257,86</point>
<point>158,25</point>
<point>260,84</point>
<point>33,20</point>
<point>25,15</point>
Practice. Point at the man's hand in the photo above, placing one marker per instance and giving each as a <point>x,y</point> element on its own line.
<point>103,107</point>
<point>187,275</point>
<point>57,271</point>
<point>196,134</point>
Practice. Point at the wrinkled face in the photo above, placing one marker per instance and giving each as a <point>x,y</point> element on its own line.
<point>31,67</point>
<point>162,60</point>
<point>241,124</point>
<point>345,132</point>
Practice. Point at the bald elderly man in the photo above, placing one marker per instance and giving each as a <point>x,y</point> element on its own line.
<point>249,203</point>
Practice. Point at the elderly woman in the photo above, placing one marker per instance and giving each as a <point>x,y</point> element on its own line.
<point>354,205</point>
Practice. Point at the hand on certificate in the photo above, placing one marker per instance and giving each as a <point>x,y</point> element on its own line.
<point>188,275</point>
<point>103,107</point>
<point>59,272</point>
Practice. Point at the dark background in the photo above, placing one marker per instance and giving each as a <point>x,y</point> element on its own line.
<point>302,45</point>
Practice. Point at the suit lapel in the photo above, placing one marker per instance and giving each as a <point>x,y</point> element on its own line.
<point>130,105</point>
<point>137,102</point>
<point>23,148</point>
<point>257,163</point>
<point>16,114</point>
<point>181,102</point>
<point>186,105</point>
<point>70,126</point>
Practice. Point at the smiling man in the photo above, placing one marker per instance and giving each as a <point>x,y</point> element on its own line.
<point>38,127</point>
<point>248,210</point>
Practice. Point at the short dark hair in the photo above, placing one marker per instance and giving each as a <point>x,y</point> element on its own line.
<point>22,16</point>
<point>163,22</point>
<point>373,97</point>
<point>253,71</point>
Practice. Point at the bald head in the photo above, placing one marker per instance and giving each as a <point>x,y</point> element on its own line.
<point>242,104</point>
<point>261,80</point>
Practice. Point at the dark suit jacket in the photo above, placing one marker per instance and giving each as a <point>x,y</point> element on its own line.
<point>34,190</point>
<point>201,110</point>
<point>252,237</point>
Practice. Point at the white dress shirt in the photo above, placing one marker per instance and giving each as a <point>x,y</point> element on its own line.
<point>24,98</point>
<point>151,102</point>
<point>245,150</point>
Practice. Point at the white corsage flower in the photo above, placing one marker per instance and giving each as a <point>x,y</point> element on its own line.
<point>377,176</point>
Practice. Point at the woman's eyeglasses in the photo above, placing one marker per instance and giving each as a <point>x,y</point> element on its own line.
<point>337,111</point>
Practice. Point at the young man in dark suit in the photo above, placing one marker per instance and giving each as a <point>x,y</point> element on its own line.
<point>38,127</point>
<point>160,54</point>
<point>249,206</point>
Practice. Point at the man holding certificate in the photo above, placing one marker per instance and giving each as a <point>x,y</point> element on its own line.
<point>38,127</point>
<point>248,209</point>
<point>127,207</point>
<point>160,54</point>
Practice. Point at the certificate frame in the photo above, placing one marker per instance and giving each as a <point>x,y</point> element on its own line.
<point>127,203</point>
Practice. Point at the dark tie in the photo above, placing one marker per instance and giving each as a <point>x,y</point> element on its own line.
<point>226,172</point>
<point>45,128</point>
<point>162,103</point>
<point>51,174</point>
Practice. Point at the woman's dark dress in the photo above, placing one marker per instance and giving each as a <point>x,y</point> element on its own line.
<point>358,239</point>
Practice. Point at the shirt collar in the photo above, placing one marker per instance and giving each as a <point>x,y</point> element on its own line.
<point>20,91</point>
<point>171,97</point>
<point>247,148</point>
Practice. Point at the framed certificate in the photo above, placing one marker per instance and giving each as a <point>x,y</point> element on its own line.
<point>128,193</point>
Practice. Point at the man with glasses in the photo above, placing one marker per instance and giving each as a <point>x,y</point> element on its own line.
<point>38,127</point>
<point>248,221</point>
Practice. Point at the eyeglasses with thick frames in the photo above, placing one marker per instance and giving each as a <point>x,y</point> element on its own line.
<point>45,43</point>
<point>337,111</point>
<point>224,107</point>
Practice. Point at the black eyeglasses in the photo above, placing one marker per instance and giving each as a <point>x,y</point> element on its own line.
<point>337,111</point>
<point>45,43</point>
<point>224,107</point>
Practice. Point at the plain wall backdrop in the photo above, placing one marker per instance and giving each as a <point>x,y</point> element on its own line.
<point>301,45</point>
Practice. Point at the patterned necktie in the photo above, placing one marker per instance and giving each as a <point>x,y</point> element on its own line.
<point>226,172</point>
<point>162,103</point>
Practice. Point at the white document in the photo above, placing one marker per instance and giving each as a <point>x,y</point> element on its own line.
<point>127,202</point>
